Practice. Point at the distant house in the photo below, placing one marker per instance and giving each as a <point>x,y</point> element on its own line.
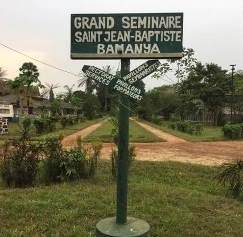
<point>37,103</point>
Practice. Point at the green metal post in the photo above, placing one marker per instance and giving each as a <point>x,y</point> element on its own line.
<point>122,172</point>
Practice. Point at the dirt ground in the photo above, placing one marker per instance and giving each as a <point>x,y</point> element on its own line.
<point>174,149</point>
<point>70,140</point>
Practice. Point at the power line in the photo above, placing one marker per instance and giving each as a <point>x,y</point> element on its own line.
<point>37,60</point>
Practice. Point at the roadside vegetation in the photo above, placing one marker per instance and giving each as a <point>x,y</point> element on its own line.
<point>15,130</point>
<point>209,133</point>
<point>176,199</point>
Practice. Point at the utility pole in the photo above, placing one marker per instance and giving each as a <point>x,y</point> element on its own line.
<point>232,91</point>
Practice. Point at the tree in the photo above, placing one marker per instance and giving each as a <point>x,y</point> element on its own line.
<point>2,73</point>
<point>91,106</point>
<point>181,67</point>
<point>49,91</point>
<point>67,96</point>
<point>28,79</point>
<point>209,84</point>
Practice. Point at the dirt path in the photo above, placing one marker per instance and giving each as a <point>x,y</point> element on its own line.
<point>165,136</point>
<point>175,149</point>
<point>70,140</point>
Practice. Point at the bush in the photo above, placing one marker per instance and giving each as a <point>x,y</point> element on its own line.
<point>74,164</point>
<point>94,157</point>
<point>232,131</point>
<point>19,162</point>
<point>64,121</point>
<point>187,127</point>
<point>53,160</point>
<point>60,164</point>
<point>231,176</point>
<point>44,125</point>
<point>114,159</point>
<point>156,120</point>
<point>39,125</point>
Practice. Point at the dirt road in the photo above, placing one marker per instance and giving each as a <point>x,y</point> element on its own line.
<point>70,140</point>
<point>175,149</point>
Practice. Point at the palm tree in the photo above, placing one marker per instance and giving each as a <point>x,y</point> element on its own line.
<point>69,93</point>
<point>88,82</point>
<point>2,73</point>
<point>48,91</point>
<point>3,85</point>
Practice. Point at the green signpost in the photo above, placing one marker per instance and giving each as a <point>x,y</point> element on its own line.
<point>125,36</point>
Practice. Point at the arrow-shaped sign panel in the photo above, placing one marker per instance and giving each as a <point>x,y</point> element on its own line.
<point>109,80</point>
<point>142,71</point>
<point>98,75</point>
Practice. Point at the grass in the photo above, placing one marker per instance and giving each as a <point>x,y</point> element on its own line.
<point>210,133</point>
<point>176,199</point>
<point>136,133</point>
<point>14,130</point>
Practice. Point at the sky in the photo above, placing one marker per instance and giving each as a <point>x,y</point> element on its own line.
<point>41,29</point>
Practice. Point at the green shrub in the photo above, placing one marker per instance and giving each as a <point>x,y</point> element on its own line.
<point>39,125</point>
<point>49,124</point>
<point>156,120</point>
<point>114,159</point>
<point>187,127</point>
<point>94,157</point>
<point>44,125</point>
<point>53,157</point>
<point>232,131</point>
<point>231,176</point>
<point>172,125</point>
<point>64,121</point>
<point>74,164</point>
<point>19,162</point>
<point>198,128</point>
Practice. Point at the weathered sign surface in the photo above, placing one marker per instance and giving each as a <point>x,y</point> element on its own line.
<point>134,35</point>
<point>142,71</point>
<point>117,84</point>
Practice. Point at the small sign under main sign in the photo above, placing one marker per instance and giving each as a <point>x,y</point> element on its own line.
<point>142,71</point>
<point>113,82</point>
<point>134,35</point>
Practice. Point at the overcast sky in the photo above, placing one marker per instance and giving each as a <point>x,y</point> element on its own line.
<point>41,29</point>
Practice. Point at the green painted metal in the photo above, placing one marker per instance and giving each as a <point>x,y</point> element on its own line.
<point>122,172</point>
<point>133,228</point>
<point>133,35</point>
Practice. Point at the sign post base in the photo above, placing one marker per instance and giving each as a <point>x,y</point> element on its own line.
<point>132,228</point>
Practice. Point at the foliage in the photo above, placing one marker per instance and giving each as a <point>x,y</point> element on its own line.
<point>207,83</point>
<point>231,176</point>
<point>233,131</point>
<point>54,156</point>
<point>114,159</point>
<point>64,121</point>
<point>44,124</point>
<point>70,165</point>
<point>74,164</point>
<point>187,127</point>
<point>26,127</point>
<point>94,157</point>
<point>28,78</point>
<point>20,159</point>
<point>115,130</point>
<point>90,106</point>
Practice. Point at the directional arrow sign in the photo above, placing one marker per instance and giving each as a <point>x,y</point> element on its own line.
<point>98,75</point>
<point>109,80</point>
<point>142,71</point>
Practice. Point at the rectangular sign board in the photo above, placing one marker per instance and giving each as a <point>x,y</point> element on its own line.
<point>133,35</point>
